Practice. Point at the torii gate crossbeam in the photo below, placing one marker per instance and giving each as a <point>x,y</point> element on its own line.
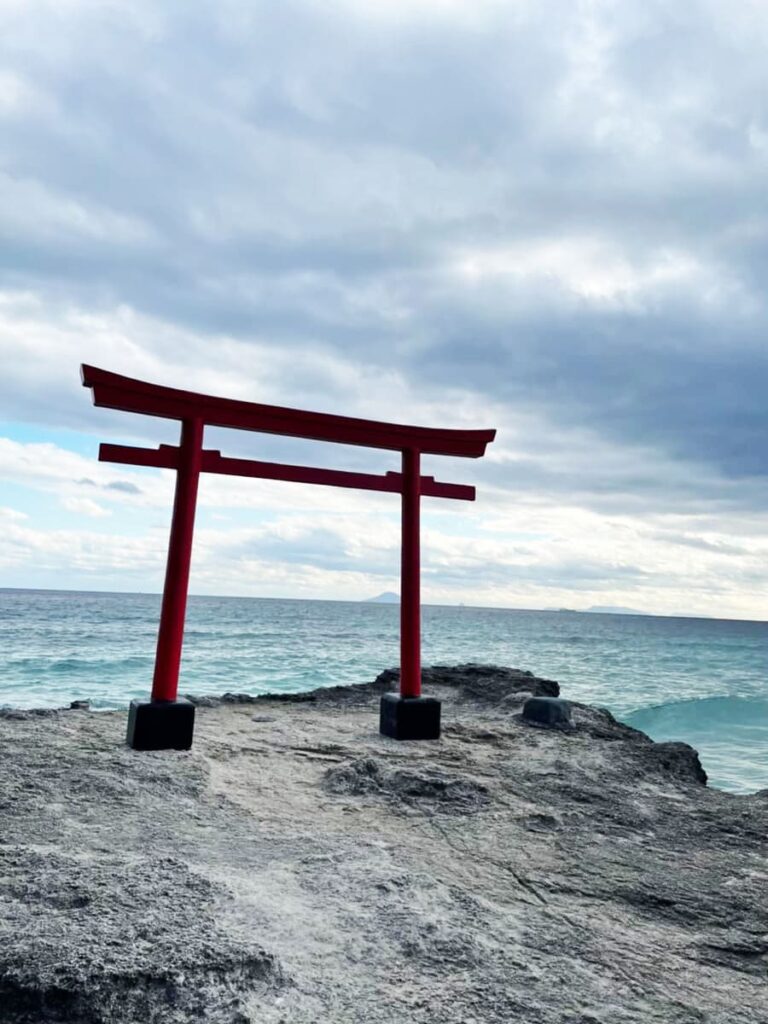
<point>166,721</point>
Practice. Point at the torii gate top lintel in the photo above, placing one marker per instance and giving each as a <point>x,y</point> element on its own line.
<point>114,391</point>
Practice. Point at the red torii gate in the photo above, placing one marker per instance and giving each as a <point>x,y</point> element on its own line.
<point>167,722</point>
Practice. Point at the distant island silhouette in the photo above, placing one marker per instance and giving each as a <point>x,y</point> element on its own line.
<point>388,597</point>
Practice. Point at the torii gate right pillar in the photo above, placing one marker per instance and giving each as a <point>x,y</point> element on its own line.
<point>409,716</point>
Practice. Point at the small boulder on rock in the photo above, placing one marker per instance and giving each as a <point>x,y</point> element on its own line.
<point>548,713</point>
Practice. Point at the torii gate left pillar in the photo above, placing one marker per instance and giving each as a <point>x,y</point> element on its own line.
<point>165,721</point>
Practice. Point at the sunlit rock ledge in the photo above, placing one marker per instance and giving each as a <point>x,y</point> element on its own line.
<point>296,866</point>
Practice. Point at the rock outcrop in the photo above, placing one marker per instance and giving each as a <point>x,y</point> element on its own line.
<point>298,867</point>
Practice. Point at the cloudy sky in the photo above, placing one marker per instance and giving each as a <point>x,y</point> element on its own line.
<point>544,216</point>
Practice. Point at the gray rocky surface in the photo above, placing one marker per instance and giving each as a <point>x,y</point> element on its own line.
<point>296,866</point>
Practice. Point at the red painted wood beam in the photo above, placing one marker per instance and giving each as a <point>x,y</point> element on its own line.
<point>167,457</point>
<point>410,580</point>
<point>171,633</point>
<point>114,391</point>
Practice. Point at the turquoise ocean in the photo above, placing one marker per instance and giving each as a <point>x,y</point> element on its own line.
<point>704,681</point>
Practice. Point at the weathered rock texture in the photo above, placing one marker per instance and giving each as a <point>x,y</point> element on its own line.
<point>295,866</point>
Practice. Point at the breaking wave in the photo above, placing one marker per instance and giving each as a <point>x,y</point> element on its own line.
<point>730,734</point>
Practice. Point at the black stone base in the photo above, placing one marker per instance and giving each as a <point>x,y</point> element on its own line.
<point>161,724</point>
<point>409,718</point>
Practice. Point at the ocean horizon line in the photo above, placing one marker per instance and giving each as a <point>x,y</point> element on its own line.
<point>368,600</point>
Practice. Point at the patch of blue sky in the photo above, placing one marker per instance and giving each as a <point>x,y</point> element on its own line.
<point>32,433</point>
<point>27,500</point>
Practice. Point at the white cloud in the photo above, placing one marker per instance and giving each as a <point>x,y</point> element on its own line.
<point>598,272</point>
<point>85,507</point>
<point>12,515</point>
<point>30,209</point>
<point>16,94</point>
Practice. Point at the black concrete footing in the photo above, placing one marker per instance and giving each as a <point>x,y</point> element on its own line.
<point>161,724</point>
<point>409,718</point>
<point>548,712</point>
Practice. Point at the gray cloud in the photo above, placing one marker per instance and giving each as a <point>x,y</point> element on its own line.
<point>313,178</point>
<point>124,486</point>
<point>716,547</point>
